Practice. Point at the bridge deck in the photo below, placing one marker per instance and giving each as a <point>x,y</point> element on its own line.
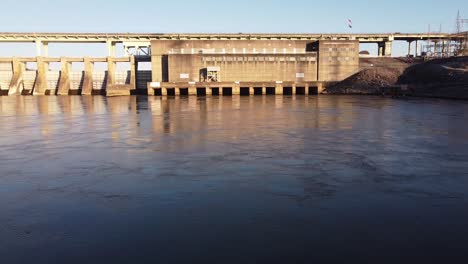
<point>129,37</point>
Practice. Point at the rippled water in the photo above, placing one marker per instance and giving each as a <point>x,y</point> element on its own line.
<point>233,180</point>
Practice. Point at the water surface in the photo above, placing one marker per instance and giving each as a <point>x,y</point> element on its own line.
<point>267,179</point>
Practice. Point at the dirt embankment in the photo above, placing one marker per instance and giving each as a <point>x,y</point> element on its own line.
<point>374,75</point>
<point>444,78</point>
<point>438,78</point>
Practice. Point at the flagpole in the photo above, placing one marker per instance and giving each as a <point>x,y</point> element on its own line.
<point>350,26</point>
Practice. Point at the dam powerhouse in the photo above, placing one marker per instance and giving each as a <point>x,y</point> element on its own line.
<point>200,64</point>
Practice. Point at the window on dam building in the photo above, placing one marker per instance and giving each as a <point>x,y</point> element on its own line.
<point>277,58</point>
<point>236,51</point>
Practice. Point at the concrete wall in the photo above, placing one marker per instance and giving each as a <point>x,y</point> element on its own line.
<point>337,59</point>
<point>245,67</point>
<point>254,60</point>
<point>161,49</point>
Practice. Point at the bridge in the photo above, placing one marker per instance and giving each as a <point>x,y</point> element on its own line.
<point>140,42</point>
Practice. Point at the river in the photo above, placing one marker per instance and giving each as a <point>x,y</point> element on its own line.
<point>267,179</point>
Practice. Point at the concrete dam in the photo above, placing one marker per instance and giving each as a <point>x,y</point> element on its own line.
<point>195,64</point>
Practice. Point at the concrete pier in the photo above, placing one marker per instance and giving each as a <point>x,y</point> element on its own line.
<point>38,82</point>
<point>88,77</point>
<point>64,83</point>
<point>40,86</point>
<point>236,89</point>
<point>16,84</point>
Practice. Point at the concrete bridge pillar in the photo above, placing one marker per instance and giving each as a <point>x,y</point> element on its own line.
<point>42,48</point>
<point>64,82</point>
<point>381,49</point>
<point>40,86</point>
<point>110,48</point>
<point>88,77</point>
<point>110,73</point>
<point>16,84</point>
<point>409,48</point>
<point>38,48</point>
<point>416,49</point>
<point>385,49</point>
<point>133,71</point>
<point>45,45</point>
<point>388,49</point>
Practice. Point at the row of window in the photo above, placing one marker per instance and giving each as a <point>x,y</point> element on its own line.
<point>324,58</point>
<point>262,59</point>
<point>238,51</point>
<point>342,49</point>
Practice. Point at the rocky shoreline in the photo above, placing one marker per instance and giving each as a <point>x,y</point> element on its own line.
<point>441,78</point>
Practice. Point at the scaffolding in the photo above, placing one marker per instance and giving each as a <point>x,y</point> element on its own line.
<point>461,25</point>
<point>443,48</point>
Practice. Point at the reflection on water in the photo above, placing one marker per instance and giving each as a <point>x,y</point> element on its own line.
<point>232,180</point>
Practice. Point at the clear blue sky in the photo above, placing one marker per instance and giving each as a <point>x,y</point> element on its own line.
<point>256,16</point>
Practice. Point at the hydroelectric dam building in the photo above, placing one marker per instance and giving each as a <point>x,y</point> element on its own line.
<point>194,64</point>
<point>242,66</point>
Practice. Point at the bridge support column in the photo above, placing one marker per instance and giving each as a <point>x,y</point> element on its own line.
<point>388,49</point>
<point>110,73</point>
<point>40,86</point>
<point>416,50</point>
<point>110,48</point>
<point>409,48</point>
<point>133,71</point>
<point>42,48</point>
<point>385,49</point>
<point>381,49</point>
<point>38,48</point>
<point>46,49</point>
<point>16,84</point>
<point>88,77</point>
<point>64,83</point>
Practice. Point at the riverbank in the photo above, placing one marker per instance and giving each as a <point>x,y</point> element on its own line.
<point>443,78</point>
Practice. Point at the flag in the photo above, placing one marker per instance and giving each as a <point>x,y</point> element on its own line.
<point>350,23</point>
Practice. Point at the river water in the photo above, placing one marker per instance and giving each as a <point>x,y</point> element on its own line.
<point>267,179</point>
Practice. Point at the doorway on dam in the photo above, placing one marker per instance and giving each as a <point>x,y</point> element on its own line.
<point>287,91</point>
<point>210,74</point>
<point>270,90</point>
<point>258,90</point>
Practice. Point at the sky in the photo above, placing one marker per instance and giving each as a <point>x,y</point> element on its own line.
<point>222,16</point>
